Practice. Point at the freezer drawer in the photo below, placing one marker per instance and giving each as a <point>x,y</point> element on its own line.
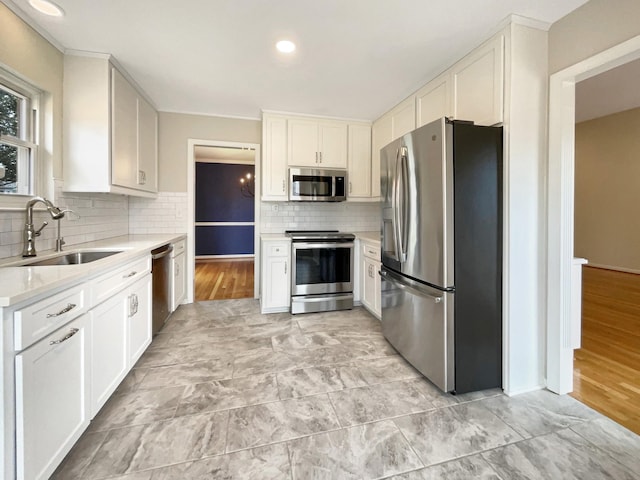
<point>418,322</point>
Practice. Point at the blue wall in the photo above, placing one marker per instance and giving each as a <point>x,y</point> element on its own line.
<point>232,240</point>
<point>219,199</point>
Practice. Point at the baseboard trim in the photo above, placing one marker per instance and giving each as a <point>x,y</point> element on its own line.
<point>615,269</point>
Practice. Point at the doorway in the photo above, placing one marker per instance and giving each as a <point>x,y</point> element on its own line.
<point>224,207</point>
<point>560,208</point>
<point>224,222</point>
<point>607,146</point>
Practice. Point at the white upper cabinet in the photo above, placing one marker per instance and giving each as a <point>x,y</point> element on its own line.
<point>434,101</point>
<point>403,118</point>
<point>147,174</point>
<point>110,132</point>
<point>359,162</point>
<point>124,132</point>
<point>274,160</point>
<point>478,84</point>
<point>313,142</point>
<point>381,135</point>
<point>317,143</point>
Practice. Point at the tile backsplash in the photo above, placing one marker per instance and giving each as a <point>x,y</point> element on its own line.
<point>101,215</point>
<point>104,215</point>
<point>277,217</point>
<point>165,214</point>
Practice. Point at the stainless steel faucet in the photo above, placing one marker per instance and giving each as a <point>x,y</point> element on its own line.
<point>60,240</point>
<point>30,233</point>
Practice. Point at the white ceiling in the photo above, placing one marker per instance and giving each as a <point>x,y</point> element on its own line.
<point>610,92</point>
<point>355,58</point>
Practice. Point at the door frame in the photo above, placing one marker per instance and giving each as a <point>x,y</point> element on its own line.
<point>560,205</point>
<point>191,202</point>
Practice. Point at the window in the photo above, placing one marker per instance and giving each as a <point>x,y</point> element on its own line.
<point>18,135</point>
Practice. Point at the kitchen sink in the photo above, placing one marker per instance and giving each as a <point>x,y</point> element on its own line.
<point>76,258</point>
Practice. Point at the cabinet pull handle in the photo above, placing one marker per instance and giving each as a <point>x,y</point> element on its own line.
<point>71,333</point>
<point>130,275</point>
<point>283,185</point>
<point>320,155</point>
<point>350,187</point>
<point>66,309</point>
<point>316,157</point>
<point>285,267</point>
<point>177,269</point>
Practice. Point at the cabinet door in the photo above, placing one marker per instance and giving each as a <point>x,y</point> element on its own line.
<point>368,283</point>
<point>403,118</point>
<point>179,280</point>
<point>108,348</point>
<point>52,405</point>
<point>382,135</point>
<point>377,294</point>
<point>274,163</point>
<point>147,174</point>
<point>276,283</point>
<point>124,132</point>
<point>332,145</point>
<point>478,84</point>
<point>433,101</point>
<point>303,142</point>
<point>359,161</point>
<point>139,319</point>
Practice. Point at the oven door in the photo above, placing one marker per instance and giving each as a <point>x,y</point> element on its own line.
<point>322,267</point>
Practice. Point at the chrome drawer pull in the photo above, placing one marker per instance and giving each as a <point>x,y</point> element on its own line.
<point>130,275</point>
<point>71,333</point>
<point>66,309</point>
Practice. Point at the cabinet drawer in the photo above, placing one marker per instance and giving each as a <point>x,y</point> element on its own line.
<point>278,250</point>
<point>41,318</point>
<point>105,286</point>
<point>371,251</point>
<point>179,247</point>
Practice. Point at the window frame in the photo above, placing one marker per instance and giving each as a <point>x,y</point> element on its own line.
<point>30,137</point>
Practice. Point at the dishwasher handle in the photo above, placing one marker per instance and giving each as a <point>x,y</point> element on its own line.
<point>161,251</point>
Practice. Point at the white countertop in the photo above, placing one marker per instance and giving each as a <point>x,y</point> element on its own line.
<point>370,237</point>
<point>18,284</point>
<point>275,237</point>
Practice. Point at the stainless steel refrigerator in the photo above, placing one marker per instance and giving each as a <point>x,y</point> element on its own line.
<point>441,188</point>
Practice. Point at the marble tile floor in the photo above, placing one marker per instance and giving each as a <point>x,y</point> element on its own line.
<point>224,392</point>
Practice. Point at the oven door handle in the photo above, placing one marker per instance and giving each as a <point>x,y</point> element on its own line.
<point>307,245</point>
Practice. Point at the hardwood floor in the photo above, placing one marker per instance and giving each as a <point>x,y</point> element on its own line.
<point>224,279</point>
<point>607,367</point>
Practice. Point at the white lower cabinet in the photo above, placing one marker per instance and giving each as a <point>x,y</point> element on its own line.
<point>52,398</point>
<point>371,294</point>
<point>121,333</point>
<point>108,349</point>
<point>276,276</point>
<point>139,319</point>
<point>179,270</point>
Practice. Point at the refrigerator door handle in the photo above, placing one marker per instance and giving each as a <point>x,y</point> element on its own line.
<point>402,204</point>
<point>402,285</point>
<point>394,210</point>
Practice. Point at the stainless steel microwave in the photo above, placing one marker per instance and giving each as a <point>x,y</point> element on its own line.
<point>313,185</point>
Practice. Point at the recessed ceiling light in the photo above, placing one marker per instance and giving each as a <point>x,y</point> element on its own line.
<point>285,46</point>
<point>47,7</point>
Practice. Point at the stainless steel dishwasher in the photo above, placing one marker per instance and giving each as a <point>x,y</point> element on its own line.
<point>161,275</point>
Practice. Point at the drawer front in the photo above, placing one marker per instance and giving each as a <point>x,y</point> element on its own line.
<point>371,251</point>
<point>179,247</point>
<point>278,250</point>
<point>41,318</point>
<point>105,286</point>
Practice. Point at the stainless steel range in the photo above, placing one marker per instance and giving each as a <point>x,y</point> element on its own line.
<point>322,276</point>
